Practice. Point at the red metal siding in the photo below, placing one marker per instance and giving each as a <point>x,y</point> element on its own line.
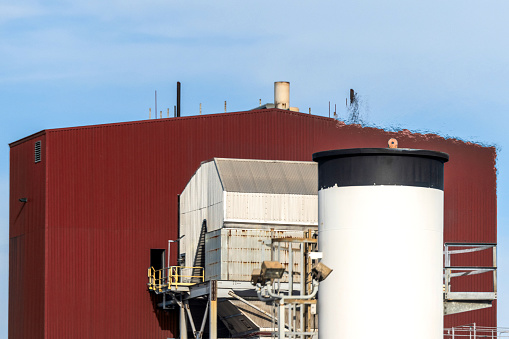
<point>112,195</point>
<point>26,241</point>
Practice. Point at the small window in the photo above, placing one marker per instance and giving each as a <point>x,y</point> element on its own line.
<point>37,151</point>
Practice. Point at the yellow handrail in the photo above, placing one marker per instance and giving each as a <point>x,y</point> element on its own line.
<point>174,276</point>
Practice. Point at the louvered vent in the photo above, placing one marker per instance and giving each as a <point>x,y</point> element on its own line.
<point>37,151</point>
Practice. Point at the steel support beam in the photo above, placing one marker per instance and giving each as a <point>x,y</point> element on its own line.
<point>281,321</point>
<point>213,310</point>
<point>183,322</point>
<point>453,307</point>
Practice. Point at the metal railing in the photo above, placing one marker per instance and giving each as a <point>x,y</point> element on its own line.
<point>473,331</point>
<point>457,271</point>
<point>174,276</point>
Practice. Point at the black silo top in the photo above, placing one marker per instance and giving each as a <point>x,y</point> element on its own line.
<point>380,166</point>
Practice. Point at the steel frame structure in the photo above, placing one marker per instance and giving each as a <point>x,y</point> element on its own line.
<point>292,300</point>
<point>461,301</point>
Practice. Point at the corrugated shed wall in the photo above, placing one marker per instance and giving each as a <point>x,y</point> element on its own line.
<point>27,240</point>
<point>233,254</point>
<point>112,195</point>
<point>202,199</point>
<point>271,208</point>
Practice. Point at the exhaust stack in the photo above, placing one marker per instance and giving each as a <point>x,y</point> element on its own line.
<point>282,94</point>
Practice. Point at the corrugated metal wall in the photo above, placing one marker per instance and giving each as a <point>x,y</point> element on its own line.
<point>233,254</point>
<point>202,199</point>
<point>111,196</point>
<point>271,208</point>
<point>26,240</point>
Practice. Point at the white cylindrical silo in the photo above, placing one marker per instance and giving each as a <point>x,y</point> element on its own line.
<point>380,229</point>
<point>282,94</point>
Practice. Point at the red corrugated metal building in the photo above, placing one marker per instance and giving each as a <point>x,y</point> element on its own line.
<point>102,196</point>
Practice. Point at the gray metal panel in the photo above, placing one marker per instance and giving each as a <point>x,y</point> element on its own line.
<point>213,255</point>
<point>268,176</point>
<point>260,319</point>
<point>235,320</point>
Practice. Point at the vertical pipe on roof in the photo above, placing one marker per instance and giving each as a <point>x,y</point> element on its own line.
<point>178,98</point>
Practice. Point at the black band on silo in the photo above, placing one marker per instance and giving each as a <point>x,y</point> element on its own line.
<point>380,166</point>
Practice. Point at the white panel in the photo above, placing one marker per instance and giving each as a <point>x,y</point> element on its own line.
<point>384,244</point>
<point>215,199</point>
<point>276,208</point>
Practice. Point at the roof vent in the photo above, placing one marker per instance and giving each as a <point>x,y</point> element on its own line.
<point>37,151</point>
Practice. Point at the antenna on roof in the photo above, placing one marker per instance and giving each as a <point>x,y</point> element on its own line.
<point>155,110</point>
<point>178,99</point>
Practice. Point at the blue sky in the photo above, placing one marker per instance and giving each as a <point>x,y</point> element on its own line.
<point>439,66</point>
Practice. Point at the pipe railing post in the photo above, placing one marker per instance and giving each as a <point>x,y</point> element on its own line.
<point>281,320</point>
<point>290,269</point>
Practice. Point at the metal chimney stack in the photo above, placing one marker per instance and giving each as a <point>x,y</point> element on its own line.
<point>282,94</point>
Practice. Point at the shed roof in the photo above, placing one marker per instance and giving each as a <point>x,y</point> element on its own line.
<point>268,176</point>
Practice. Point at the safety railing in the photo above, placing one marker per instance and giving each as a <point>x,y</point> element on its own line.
<point>458,271</point>
<point>473,331</point>
<point>174,276</point>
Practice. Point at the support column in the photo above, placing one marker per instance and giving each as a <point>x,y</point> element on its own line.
<point>213,310</point>
<point>281,320</point>
<point>183,322</point>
